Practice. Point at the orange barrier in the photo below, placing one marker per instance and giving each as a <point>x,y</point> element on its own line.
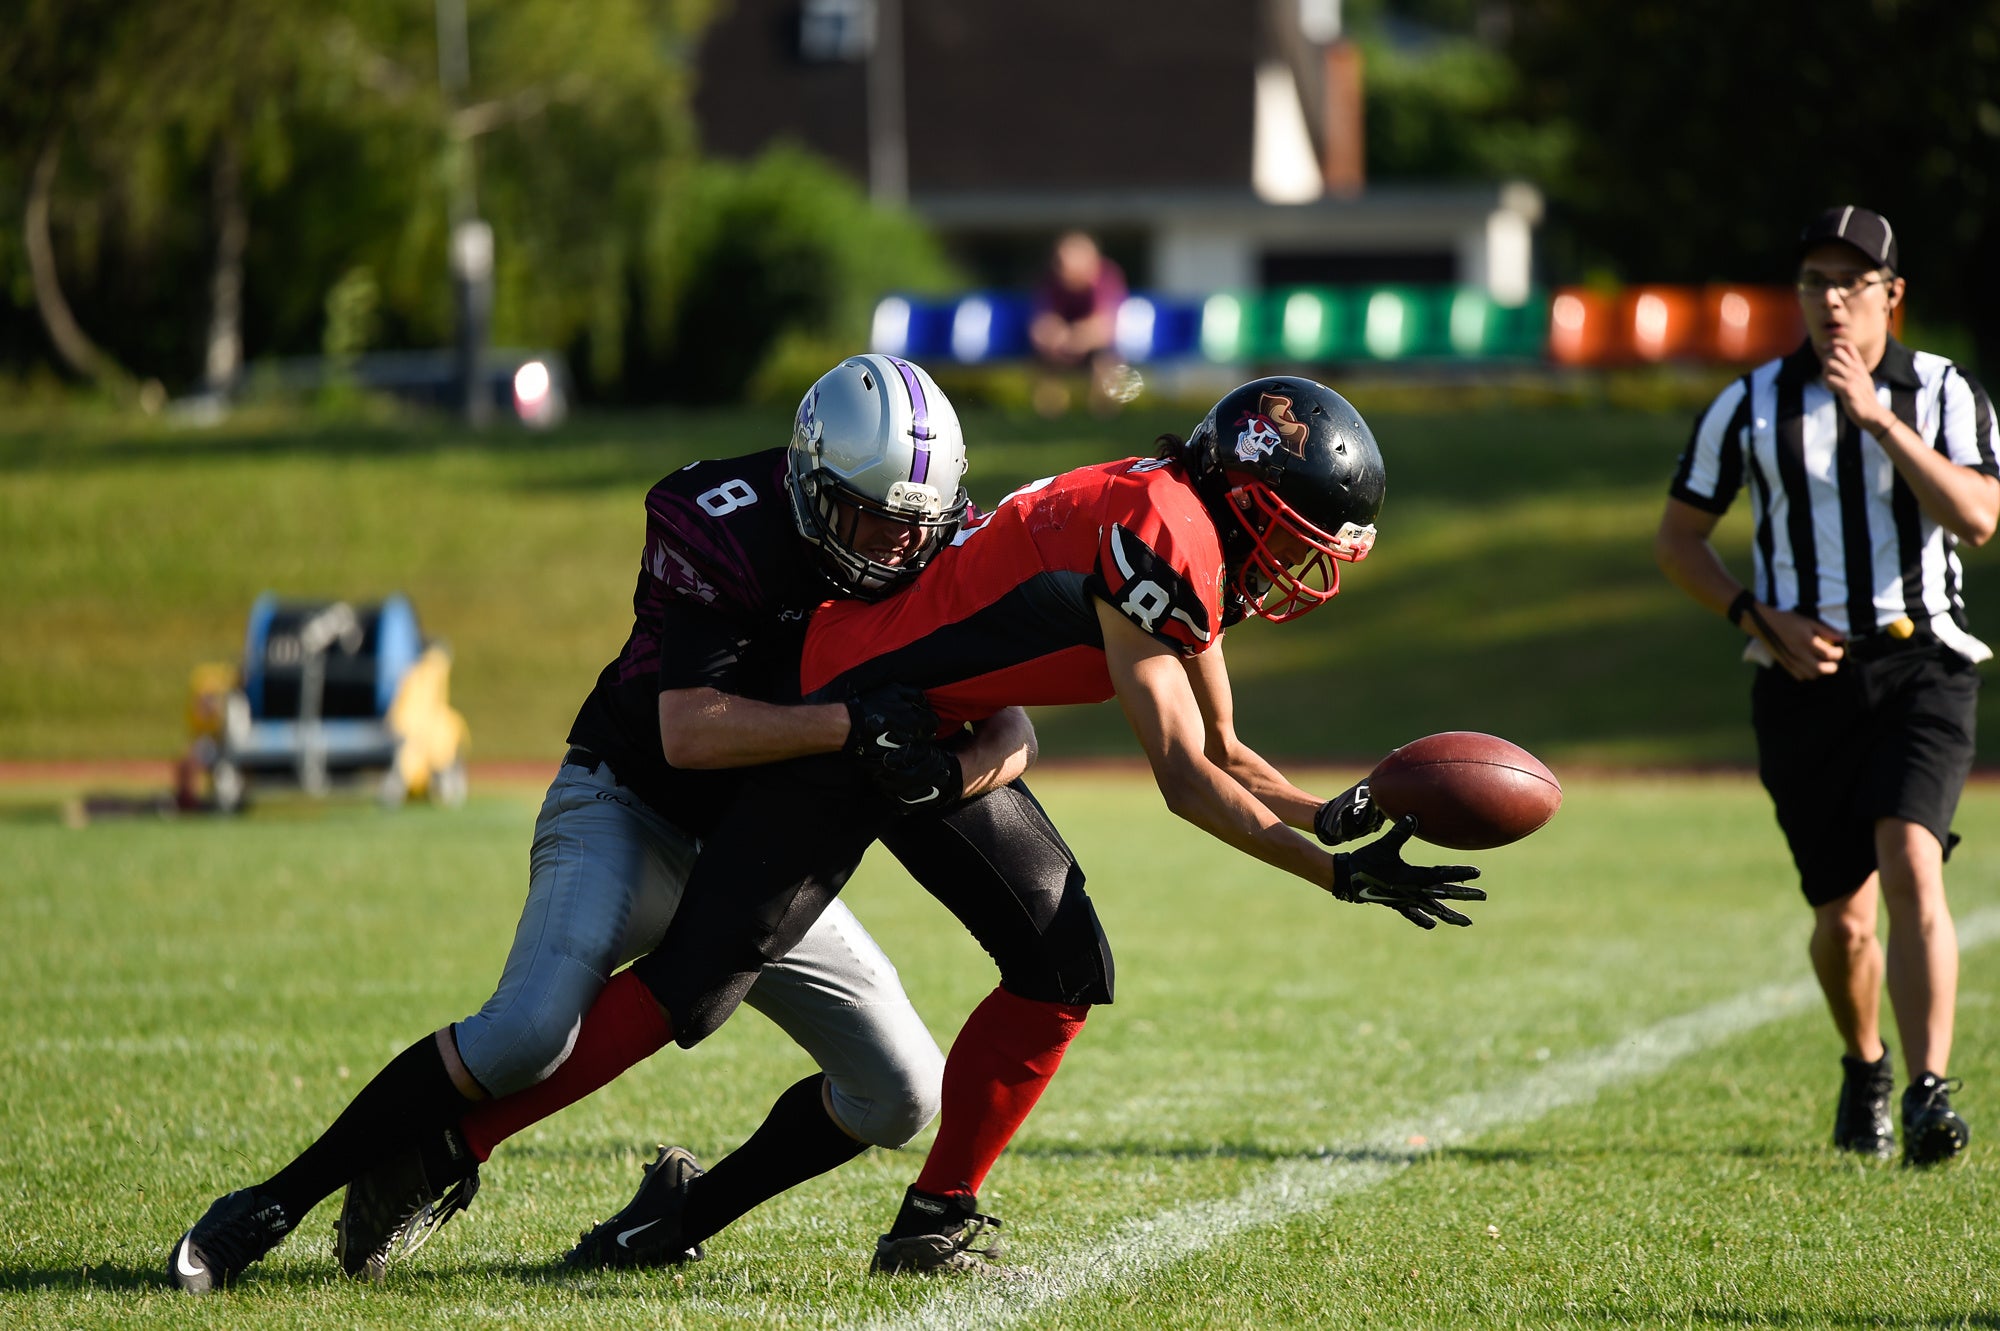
<point>1732,324</point>
<point>1660,323</point>
<point>1581,327</point>
<point>1751,324</point>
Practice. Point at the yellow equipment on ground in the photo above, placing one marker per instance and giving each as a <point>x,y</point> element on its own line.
<point>328,694</point>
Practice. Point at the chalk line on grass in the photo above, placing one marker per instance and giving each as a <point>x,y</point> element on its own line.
<point>1298,1187</point>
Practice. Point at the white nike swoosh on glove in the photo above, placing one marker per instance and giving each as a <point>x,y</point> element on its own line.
<point>887,743</point>
<point>625,1239</point>
<point>181,1262</point>
<point>921,799</point>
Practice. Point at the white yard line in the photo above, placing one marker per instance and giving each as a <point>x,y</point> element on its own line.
<point>1299,1186</point>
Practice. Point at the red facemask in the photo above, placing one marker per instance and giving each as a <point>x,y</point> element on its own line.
<point>1312,577</point>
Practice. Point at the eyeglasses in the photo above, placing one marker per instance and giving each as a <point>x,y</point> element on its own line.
<point>1817,287</point>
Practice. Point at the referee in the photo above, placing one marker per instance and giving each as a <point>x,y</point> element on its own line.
<point>1868,464</point>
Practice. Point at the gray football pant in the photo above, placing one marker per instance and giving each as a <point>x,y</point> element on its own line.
<point>605,877</point>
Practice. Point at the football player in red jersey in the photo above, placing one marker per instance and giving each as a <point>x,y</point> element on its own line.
<point>1117,579</point>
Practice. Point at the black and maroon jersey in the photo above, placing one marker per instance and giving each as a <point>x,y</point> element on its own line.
<point>725,588</point>
<point>1006,615</point>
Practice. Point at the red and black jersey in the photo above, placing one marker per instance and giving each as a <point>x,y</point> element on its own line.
<point>725,588</point>
<point>1006,615</point>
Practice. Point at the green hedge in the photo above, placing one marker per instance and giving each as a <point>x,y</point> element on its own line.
<point>774,272</point>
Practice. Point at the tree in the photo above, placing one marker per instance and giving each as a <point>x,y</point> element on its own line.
<point>779,258</point>
<point>49,65</point>
<point>1444,101</point>
<point>1707,131</point>
<point>202,172</point>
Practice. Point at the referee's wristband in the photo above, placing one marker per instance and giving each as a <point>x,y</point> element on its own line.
<point>1741,607</point>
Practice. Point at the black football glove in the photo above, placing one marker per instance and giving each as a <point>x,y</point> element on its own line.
<point>918,777</point>
<point>1376,873</point>
<point>885,718</point>
<point>892,735</point>
<point>1348,815</point>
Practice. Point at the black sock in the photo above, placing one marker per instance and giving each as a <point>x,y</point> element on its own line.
<point>932,1213</point>
<point>412,1095</point>
<point>798,1140</point>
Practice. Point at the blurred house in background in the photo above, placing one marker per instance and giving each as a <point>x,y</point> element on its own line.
<point>1210,145</point>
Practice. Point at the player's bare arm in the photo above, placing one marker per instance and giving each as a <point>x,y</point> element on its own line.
<point>709,728</point>
<point>1345,817</point>
<point>1803,646</point>
<point>996,751</point>
<point>1161,707</point>
<point>1964,502</point>
<point>1160,704</point>
<point>1208,678</point>
<point>704,728</point>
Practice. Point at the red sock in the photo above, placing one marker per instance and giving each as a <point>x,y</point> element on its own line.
<point>998,1067</point>
<point>623,1027</point>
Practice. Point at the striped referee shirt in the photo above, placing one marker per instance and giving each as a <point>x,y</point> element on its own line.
<point>1839,533</point>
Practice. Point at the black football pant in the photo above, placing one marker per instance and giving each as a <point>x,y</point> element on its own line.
<point>791,839</point>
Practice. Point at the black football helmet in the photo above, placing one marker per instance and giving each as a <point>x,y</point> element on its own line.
<point>1294,479</point>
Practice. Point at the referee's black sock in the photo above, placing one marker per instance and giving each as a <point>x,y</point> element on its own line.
<point>797,1141</point>
<point>407,1098</point>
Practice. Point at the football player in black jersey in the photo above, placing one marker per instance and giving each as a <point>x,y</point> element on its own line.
<point>738,553</point>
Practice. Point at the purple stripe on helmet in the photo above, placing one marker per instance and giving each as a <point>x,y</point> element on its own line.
<point>920,420</point>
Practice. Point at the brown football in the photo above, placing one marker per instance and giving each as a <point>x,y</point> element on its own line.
<point>1469,791</point>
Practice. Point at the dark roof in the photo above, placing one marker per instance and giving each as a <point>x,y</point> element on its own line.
<point>1005,94</point>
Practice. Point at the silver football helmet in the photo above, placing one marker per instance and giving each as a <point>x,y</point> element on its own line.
<point>876,436</point>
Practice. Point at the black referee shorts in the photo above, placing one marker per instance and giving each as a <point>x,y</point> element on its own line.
<point>1885,738</point>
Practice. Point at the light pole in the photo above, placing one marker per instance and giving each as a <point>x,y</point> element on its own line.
<point>471,242</point>
<point>888,146</point>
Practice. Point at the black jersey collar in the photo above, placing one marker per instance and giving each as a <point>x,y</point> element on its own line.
<point>1898,367</point>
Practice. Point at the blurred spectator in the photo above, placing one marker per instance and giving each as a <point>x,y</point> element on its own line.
<point>1074,325</point>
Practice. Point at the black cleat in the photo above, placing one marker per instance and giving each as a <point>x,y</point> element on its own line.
<point>234,1232</point>
<point>1861,1124</point>
<point>1932,1130</point>
<point>933,1235</point>
<point>395,1208</point>
<point>648,1231</point>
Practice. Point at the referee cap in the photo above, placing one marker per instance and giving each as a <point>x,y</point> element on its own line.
<point>1862,228</point>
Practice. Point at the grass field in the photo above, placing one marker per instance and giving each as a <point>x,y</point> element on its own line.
<point>1621,1078</point>
<point>1513,589</point>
